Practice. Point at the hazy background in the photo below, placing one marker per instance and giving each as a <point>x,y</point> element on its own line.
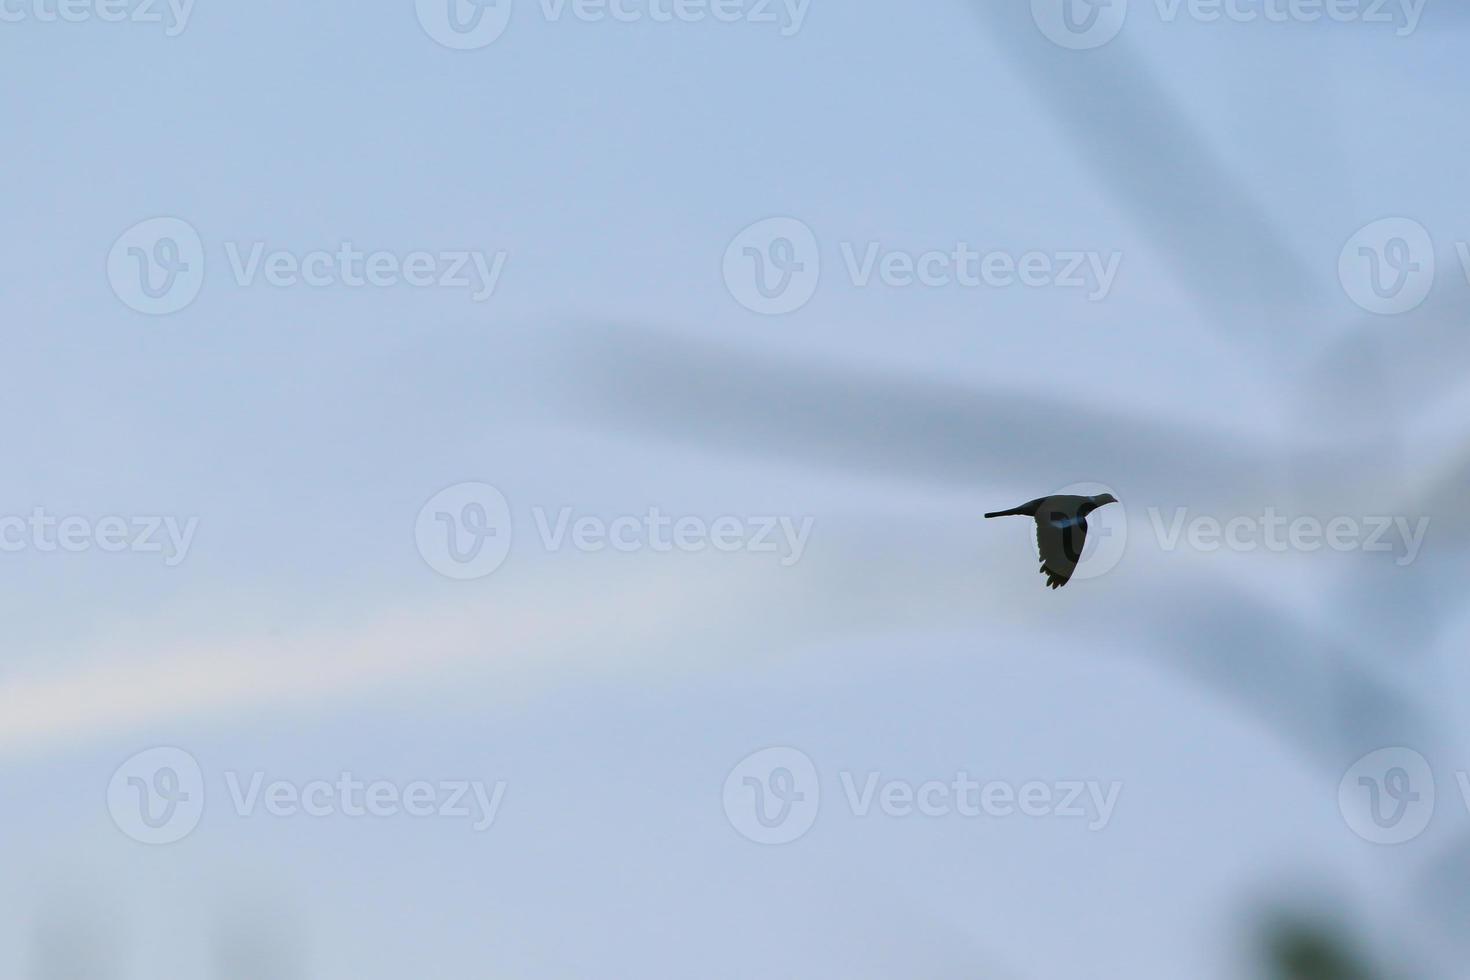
<point>614,369</point>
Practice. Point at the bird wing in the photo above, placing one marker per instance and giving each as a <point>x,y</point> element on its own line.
<point>1059,538</point>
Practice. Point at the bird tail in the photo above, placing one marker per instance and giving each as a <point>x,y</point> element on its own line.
<point>1016,512</point>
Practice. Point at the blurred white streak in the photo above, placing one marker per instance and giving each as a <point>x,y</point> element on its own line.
<point>514,627</point>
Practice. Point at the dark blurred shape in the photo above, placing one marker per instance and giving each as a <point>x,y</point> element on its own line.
<point>892,426</point>
<point>1317,689</point>
<point>1150,159</point>
<point>1296,948</point>
<point>1409,364</point>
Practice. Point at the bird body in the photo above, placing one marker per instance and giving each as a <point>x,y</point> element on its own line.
<point>1061,530</point>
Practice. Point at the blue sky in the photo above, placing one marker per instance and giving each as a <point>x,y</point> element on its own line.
<point>612,164</point>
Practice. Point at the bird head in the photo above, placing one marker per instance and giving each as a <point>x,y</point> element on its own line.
<point>1100,500</point>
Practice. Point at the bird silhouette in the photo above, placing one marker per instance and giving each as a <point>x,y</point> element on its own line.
<point>1061,530</point>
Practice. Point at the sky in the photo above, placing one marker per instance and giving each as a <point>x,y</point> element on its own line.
<point>726,332</point>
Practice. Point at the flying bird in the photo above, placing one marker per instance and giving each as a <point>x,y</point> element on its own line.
<point>1061,531</point>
